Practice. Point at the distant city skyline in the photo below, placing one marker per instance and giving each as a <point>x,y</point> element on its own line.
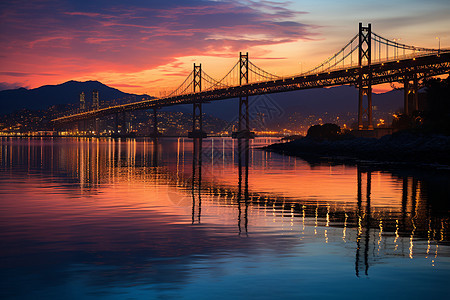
<point>149,46</point>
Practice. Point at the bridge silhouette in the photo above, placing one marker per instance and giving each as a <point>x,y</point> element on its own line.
<point>368,59</point>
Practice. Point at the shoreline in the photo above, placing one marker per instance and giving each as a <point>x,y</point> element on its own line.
<point>399,150</point>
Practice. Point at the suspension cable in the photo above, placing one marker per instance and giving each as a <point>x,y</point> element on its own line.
<point>388,42</point>
<point>214,83</point>
<point>221,81</point>
<point>175,92</point>
<point>330,59</point>
<point>262,73</point>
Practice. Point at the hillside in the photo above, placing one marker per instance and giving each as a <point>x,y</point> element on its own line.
<point>66,93</point>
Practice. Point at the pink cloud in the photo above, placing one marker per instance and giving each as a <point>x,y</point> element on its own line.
<point>69,42</point>
<point>10,86</point>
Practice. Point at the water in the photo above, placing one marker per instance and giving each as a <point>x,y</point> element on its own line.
<point>130,219</point>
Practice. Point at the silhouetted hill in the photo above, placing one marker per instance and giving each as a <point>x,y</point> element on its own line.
<point>65,93</point>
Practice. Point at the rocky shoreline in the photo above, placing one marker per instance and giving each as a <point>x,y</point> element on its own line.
<point>400,148</point>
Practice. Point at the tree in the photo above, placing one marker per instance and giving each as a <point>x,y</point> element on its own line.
<point>402,122</point>
<point>325,131</point>
<point>436,117</point>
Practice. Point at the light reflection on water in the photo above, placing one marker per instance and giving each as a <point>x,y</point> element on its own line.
<point>133,218</point>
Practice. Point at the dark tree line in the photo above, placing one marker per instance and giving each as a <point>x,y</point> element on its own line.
<point>434,116</point>
<point>326,131</point>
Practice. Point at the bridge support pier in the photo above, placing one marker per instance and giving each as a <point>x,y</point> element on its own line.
<point>244,121</point>
<point>410,91</point>
<point>197,122</point>
<point>367,111</point>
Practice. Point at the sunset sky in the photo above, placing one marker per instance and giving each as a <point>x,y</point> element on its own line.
<point>149,46</point>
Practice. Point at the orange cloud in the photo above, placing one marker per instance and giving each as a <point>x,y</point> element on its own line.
<point>73,42</point>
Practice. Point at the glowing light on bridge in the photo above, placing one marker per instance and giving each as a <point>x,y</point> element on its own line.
<point>368,59</point>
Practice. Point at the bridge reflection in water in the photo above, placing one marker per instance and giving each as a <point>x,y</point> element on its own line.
<point>375,213</point>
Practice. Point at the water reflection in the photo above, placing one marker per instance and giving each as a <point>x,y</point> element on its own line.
<point>242,195</point>
<point>243,161</point>
<point>384,223</point>
<point>364,219</point>
<point>147,208</point>
<point>197,179</point>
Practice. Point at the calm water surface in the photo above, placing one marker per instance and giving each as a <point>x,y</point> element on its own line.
<point>126,219</point>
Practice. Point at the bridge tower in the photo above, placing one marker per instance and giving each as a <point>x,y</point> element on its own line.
<point>244,118</point>
<point>365,79</point>
<point>197,124</point>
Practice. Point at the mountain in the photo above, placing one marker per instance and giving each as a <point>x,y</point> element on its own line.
<point>65,93</point>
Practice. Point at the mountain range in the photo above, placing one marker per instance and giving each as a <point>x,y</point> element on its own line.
<point>334,100</point>
<point>66,93</point>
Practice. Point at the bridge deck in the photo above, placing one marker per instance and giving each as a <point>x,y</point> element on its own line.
<point>382,72</point>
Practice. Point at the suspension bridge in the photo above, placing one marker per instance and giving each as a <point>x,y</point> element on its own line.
<point>368,59</point>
